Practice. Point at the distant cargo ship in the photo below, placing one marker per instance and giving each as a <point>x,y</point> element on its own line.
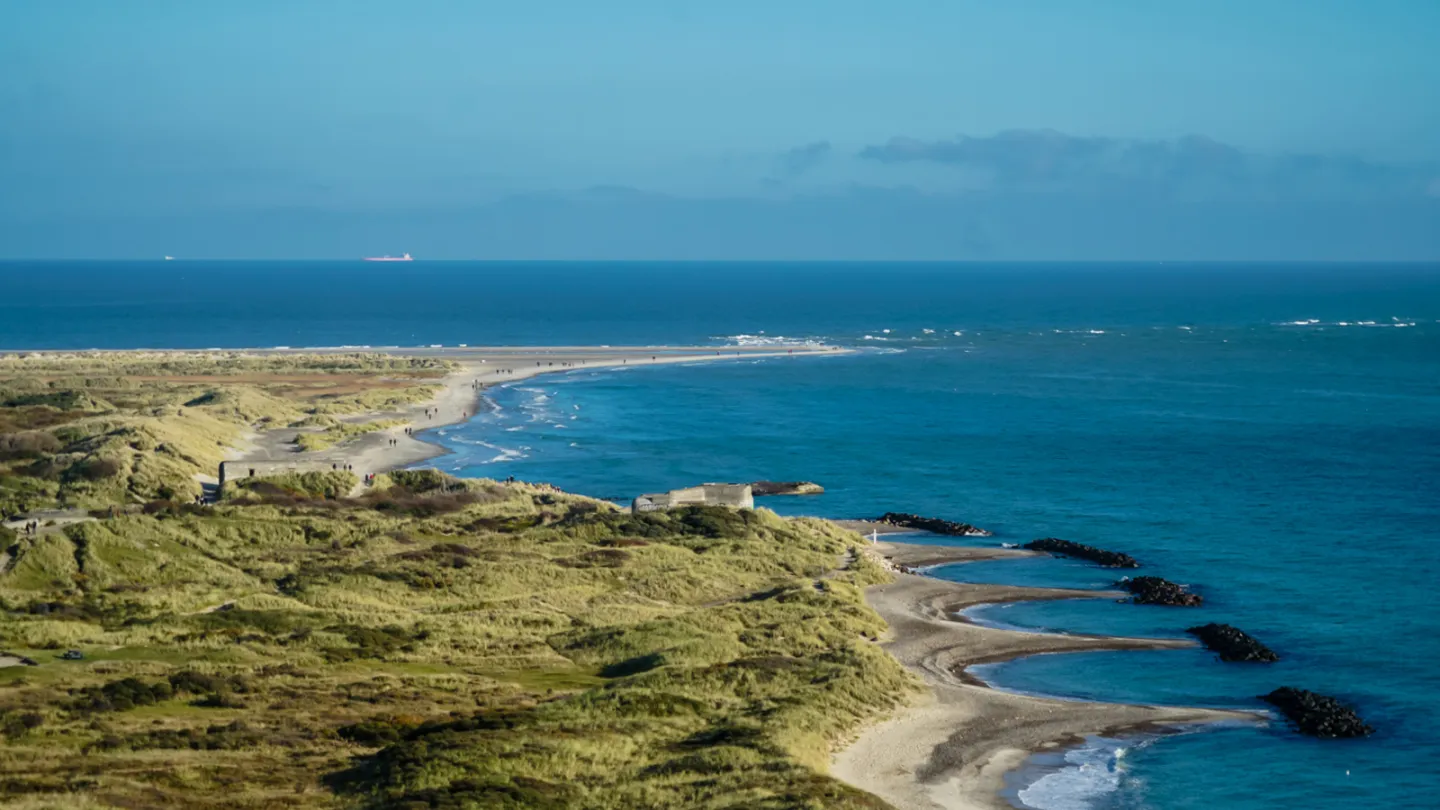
<point>405,258</point>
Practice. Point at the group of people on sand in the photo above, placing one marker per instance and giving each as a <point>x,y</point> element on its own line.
<point>31,527</point>
<point>339,466</point>
<point>476,385</point>
<point>369,479</point>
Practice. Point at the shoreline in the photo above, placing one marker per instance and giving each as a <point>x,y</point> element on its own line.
<point>462,394</point>
<point>953,748</point>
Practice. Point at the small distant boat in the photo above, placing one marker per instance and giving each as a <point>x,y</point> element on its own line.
<point>169,258</point>
<point>389,258</point>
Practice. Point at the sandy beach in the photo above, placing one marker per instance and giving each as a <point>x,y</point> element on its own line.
<point>461,395</point>
<point>951,749</point>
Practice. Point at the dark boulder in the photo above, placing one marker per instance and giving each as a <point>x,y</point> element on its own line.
<point>1233,644</point>
<point>1157,591</point>
<point>762,488</point>
<point>1317,715</point>
<point>933,525</point>
<point>1065,548</point>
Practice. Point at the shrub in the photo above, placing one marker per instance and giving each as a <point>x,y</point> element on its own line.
<point>199,683</point>
<point>18,724</point>
<point>28,445</point>
<point>119,696</point>
<point>94,469</point>
<point>374,642</point>
<point>425,480</point>
<point>378,731</point>
<point>232,736</point>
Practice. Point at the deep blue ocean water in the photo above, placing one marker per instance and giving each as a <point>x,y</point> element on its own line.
<point>1269,434</point>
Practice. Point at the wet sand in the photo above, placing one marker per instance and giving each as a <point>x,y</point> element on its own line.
<point>951,749</point>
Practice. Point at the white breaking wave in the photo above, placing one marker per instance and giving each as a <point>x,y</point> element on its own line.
<point>504,454</point>
<point>1395,322</point>
<point>763,339</point>
<point>1089,773</point>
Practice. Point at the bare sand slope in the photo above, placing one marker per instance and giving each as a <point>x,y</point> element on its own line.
<point>952,748</point>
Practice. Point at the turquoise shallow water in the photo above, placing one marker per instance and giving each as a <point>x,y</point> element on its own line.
<point>1268,434</point>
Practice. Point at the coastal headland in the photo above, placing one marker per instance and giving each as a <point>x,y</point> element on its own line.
<point>398,613</point>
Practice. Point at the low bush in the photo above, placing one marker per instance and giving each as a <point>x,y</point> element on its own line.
<point>119,696</point>
<point>28,445</point>
<point>16,724</point>
<point>94,469</point>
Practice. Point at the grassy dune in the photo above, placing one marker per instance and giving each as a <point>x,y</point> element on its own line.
<point>94,429</point>
<point>436,644</point>
<point>342,432</point>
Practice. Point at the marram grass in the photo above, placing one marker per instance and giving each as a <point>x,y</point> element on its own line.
<point>509,647</point>
<point>434,643</point>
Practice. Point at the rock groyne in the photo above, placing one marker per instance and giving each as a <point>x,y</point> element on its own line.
<point>1233,644</point>
<point>1317,715</point>
<point>1157,591</point>
<point>1066,548</point>
<point>932,525</point>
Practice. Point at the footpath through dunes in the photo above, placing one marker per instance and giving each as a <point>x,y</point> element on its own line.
<point>952,748</point>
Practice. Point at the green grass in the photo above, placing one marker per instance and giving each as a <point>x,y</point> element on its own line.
<point>432,643</point>
<point>127,428</point>
<point>513,648</point>
<point>342,432</point>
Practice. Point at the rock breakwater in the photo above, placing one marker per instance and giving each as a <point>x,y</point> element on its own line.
<point>932,525</point>
<point>1317,715</point>
<point>1157,591</point>
<point>1066,548</point>
<point>1233,644</point>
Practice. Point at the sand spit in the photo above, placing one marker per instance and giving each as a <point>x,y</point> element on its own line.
<point>461,395</point>
<point>951,749</point>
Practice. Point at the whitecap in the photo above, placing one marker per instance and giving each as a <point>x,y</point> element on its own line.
<point>762,339</point>
<point>1088,774</point>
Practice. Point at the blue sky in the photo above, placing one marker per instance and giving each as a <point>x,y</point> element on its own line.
<point>183,113</point>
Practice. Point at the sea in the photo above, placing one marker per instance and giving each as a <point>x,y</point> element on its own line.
<point>1268,434</point>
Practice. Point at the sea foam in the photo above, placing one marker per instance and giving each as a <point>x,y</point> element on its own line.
<point>1084,776</point>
